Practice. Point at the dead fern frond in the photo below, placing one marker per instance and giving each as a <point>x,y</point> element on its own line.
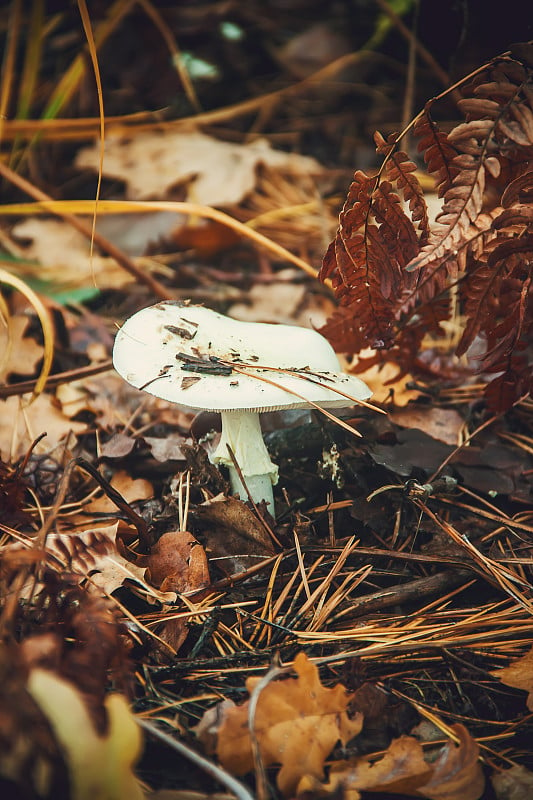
<point>391,269</point>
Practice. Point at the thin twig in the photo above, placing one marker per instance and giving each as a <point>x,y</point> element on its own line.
<point>260,776</point>
<point>216,772</point>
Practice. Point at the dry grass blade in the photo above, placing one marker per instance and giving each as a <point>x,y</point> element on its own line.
<point>69,207</point>
<point>8,66</point>
<point>323,411</point>
<point>94,58</point>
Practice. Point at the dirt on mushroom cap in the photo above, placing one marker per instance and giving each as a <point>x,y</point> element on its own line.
<point>196,357</point>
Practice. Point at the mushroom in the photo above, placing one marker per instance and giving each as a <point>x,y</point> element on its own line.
<point>195,357</point>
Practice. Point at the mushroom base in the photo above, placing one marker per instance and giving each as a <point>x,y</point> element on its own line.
<point>259,487</point>
<point>241,434</point>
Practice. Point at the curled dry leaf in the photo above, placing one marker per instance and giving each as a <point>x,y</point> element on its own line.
<point>519,675</point>
<point>401,771</point>
<point>233,532</point>
<point>297,723</point>
<point>456,773</point>
<point>177,563</point>
<point>513,784</point>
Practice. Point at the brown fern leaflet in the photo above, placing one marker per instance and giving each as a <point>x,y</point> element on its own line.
<point>392,270</point>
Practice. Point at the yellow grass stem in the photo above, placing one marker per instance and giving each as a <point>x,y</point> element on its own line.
<point>32,60</point>
<point>8,63</point>
<point>94,58</point>
<point>85,207</point>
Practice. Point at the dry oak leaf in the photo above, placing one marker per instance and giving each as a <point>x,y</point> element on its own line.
<point>297,723</point>
<point>456,773</point>
<point>519,675</point>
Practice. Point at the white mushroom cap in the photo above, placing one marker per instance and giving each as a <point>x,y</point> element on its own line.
<point>152,350</point>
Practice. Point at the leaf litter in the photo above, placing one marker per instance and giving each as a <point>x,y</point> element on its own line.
<point>300,656</point>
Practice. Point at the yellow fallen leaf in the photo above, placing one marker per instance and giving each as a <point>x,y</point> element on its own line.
<point>519,675</point>
<point>297,723</point>
<point>100,767</point>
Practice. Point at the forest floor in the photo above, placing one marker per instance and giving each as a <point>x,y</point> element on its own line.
<point>160,637</point>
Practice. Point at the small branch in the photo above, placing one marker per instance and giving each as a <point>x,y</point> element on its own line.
<point>408,592</point>
<point>25,387</point>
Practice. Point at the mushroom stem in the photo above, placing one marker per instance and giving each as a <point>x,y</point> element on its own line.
<point>241,430</point>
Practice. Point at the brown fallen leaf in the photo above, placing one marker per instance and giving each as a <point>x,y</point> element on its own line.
<point>402,770</point>
<point>177,563</point>
<point>513,784</point>
<point>519,675</point>
<point>444,424</point>
<point>457,773</point>
<point>297,723</point>
<point>232,532</point>
<point>21,424</point>
<point>19,353</point>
